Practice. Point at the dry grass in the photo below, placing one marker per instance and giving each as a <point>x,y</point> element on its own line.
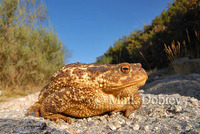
<point>177,50</point>
<point>18,91</point>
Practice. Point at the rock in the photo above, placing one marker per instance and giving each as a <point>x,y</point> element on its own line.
<point>132,115</point>
<point>89,119</point>
<point>140,91</point>
<point>117,124</point>
<point>194,101</point>
<point>146,128</point>
<point>112,127</point>
<point>139,117</point>
<point>136,127</point>
<point>0,92</point>
<point>128,122</point>
<point>178,109</point>
<point>122,121</point>
<point>185,65</point>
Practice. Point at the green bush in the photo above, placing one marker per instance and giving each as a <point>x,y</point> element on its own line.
<point>29,52</point>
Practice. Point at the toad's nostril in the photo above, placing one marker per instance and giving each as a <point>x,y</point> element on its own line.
<point>140,69</point>
<point>138,64</point>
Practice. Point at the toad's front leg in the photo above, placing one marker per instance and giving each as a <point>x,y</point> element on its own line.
<point>134,103</point>
<point>35,108</point>
<point>53,106</point>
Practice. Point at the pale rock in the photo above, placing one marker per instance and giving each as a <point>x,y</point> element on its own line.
<point>132,115</point>
<point>122,121</point>
<point>194,101</point>
<point>112,127</point>
<point>89,119</point>
<point>117,124</point>
<point>136,127</point>
<point>178,109</point>
<point>146,128</point>
<point>128,122</point>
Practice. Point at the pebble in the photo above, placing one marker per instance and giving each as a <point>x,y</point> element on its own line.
<point>141,91</point>
<point>128,122</point>
<point>121,121</point>
<point>146,128</point>
<point>139,117</point>
<point>194,101</point>
<point>178,109</point>
<point>89,119</point>
<point>132,115</point>
<point>112,127</point>
<point>117,124</point>
<point>136,127</point>
<point>156,128</point>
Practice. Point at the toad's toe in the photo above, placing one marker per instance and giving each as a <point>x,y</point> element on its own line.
<point>57,117</point>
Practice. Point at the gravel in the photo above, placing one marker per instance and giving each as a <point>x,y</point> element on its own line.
<point>171,104</point>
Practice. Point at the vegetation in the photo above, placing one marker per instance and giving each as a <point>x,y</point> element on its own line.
<point>29,52</point>
<point>172,34</point>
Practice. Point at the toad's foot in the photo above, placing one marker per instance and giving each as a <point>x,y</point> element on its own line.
<point>127,109</point>
<point>57,117</point>
<point>136,103</point>
<point>35,108</point>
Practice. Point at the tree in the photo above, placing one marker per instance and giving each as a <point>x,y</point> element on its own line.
<point>29,52</point>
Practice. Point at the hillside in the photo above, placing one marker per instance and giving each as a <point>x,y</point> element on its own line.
<point>171,35</point>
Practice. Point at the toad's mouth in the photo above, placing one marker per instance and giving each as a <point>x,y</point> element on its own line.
<point>136,84</point>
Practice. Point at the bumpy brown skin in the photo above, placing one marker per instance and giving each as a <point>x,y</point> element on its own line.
<point>83,90</point>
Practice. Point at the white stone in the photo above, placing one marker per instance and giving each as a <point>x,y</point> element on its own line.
<point>178,109</point>
<point>146,128</point>
<point>194,101</point>
<point>112,127</point>
<point>89,119</point>
<point>122,121</point>
<point>136,127</point>
<point>128,122</point>
<point>132,115</point>
<point>117,124</point>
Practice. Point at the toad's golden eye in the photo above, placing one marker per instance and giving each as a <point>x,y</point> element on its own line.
<point>125,69</point>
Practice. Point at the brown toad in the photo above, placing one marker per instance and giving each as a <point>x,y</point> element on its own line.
<point>83,90</point>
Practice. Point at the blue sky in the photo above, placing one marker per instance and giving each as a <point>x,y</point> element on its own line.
<point>89,27</point>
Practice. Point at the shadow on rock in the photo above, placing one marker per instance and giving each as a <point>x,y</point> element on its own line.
<point>25,126</point>
<point>181,84</point>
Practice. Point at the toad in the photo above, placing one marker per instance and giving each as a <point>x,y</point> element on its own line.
<point>84,90</point>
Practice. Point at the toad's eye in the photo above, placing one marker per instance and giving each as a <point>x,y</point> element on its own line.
<point>125,69</point>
